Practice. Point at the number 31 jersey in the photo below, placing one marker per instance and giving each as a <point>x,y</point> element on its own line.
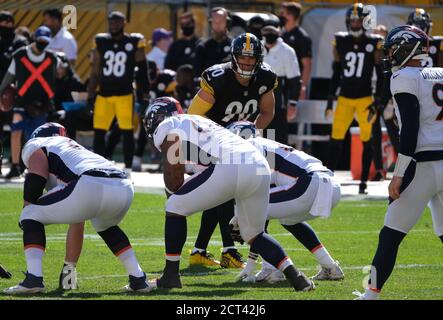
<point>427,85</point>
<point>117,62</point>
<point>234,102</point>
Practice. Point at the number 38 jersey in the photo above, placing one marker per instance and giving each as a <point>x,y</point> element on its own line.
<point>117,62</point>
<point>234,102</point>
<point>427,85</point>
<point>357,58</point>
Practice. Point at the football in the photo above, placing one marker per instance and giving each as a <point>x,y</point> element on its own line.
<point>7,98</point>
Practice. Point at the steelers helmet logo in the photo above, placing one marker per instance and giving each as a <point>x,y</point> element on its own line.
<point>129,47</point>
<point>369,47</point>
<point>433,50</point>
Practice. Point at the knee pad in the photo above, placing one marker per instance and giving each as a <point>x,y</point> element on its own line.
<point>115,239</point>
<point>33,233</point>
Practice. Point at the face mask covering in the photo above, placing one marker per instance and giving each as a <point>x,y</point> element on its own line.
<point>7,33</point>
<point>282,21</point>
<point>271,38</point>
<point>41,46</point>
<point>115,34</point>
<point>188,31</point>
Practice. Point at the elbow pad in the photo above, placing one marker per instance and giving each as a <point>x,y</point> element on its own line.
<point>33,187</point>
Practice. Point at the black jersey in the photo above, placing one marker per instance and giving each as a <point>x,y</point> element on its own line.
<point>163,85</point>
<point>300,41</point>
<point>435,49</point>
<point>117,62</point>
<point>357,58</point>
<point>211,52</point>
<point>181,51</point>
<point>234,102</point>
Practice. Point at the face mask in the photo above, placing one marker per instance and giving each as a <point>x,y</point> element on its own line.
<point>41,46</point>
<point>7,33</point>
<point>282,21</point>
<point>188,30</point>
<point>116,34</point>
<point>271,38</point>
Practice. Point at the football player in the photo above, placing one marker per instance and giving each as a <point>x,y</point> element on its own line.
<point>356,54</point>
<point>231,169</point>
<point>422,19</point>
<point>91,188</point>
<point>304,190</point>
<point>418,174</point>
<point>241,89</point>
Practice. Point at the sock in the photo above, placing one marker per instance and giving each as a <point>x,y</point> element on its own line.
<point>128,147</point>
<point>141,142</point>
<point>323,257</point>
<point>372,294</point>
<point>99,141</point>
<point>113,139</point>
<point>34,258</point>
<point>366,160</point>
<point>267,265</point>
<point>130,262</point>
<point>175,236</point>
<point>335,148</point>
<point>271,251</point>
<point>208,223</point>
<point>71,264</point>
<point>385,256</point>
<point>304,233</point>
<point>225,213</point>
<point>226,249</point>
<point>441,238</point>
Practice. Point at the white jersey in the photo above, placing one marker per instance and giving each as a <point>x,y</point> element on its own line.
<point>204,142</point>
<point>67,159</point>
<point>286,163</point>
<point>427,85</point>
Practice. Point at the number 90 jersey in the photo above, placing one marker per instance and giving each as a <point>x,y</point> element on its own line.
<point>117,62</point>
<point>357,58</point>
<point>234,102</point>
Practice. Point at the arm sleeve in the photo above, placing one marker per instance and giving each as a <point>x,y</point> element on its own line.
<point>335,80</point>
<point>293,87</point>
<point>409,110</point>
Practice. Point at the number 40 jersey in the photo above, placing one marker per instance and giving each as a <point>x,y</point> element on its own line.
<point>234,102</point>
<point>117,62</point>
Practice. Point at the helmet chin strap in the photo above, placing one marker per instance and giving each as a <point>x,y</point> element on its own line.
<point>242,73</point>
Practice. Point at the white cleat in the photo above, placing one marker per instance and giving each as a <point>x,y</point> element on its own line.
<point>332,273</point>
<point>367,295</point>
<point>140,285</point>
<point>270,275</point>
<point>19,289</point>
<point>246,275</point>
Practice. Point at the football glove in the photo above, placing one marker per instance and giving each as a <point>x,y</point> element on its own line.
<point>235,231</point>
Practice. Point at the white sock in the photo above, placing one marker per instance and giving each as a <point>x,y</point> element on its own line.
<point>267,265</point>
<point>131,264</point>
<point>70,264</point>
<point>225,249</point>
<point>323,257</point>
<point>34,258</point>
<point>197,250</point>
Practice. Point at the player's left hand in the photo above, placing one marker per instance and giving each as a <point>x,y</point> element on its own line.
<point>394,187</point>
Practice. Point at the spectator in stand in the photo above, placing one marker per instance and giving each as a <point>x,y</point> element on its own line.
<point>186,89</point>
<point>161,40</point>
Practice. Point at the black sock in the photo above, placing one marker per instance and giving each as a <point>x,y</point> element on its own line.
<point>112,142</point>
<point>441,238</point>
<point>366,160</point>
<point>141,142</point>
<point>208,223</point>
<point>335,148</point>
<point>266,226</point>
<point>225,213</point>
<point>115,239</point>
<point>304,233</point>
<point>128,147</point>
<point>269,249</point>
<point>385,256</point>
<point>175,234</point>
<point>376,144</point>
<point>99,141</point>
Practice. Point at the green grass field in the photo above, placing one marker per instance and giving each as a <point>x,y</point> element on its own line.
<point>350,235</point>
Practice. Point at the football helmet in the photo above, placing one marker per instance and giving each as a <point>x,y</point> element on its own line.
<point>355,12</point>
<point>421,19</point>
<point>49,129</point>
<point>158,110</point>
<point>247,45</point>
<point>404,43</point>
<point>244,129</point>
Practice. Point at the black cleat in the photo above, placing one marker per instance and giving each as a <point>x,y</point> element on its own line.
<point>298,279</point>
<point>139,284</point>
<point>4,273</point>
<point>362,188</point>
<point>14,172</point>
<point>169,281</point>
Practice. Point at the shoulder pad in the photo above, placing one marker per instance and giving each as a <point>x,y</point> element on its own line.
<point>405,80</point>
<point>137,35</point>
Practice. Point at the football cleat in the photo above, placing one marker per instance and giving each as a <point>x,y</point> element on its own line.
<point>270,275</point>
<point>367,295</point>
<point>137,164</point>
<point>332,273</point>
<point>203,259</point>
<point>246,275</point>
<point>232,259</point>
<point>168,281</point>
<point>140,284</point>
<point>5,273</point>
<point>14,172</point>
<point>68,278</point>
<point>32,284</point>
<point>362,188</point>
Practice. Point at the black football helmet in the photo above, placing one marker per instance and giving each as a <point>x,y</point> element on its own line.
<point>244,129</point>
<point>356,11</point>
<point>421,19</point>
<point>158,110</point>
<point>404,43</point>
<point>49,129</point>
<point>248,45</point>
